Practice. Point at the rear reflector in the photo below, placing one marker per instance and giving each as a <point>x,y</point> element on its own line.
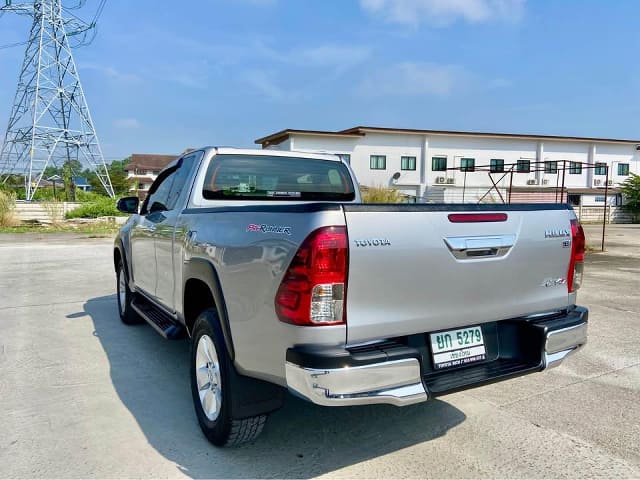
<point>477,217</point>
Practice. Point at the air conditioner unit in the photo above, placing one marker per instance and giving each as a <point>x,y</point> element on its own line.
<point>597,182</point>
<point>531,182</point>
<point>440,179</point>
<point>545,182</point>
<point>451,181</point>
<point>610,182</point>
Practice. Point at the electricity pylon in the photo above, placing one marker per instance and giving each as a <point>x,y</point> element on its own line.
<point>50,123</point>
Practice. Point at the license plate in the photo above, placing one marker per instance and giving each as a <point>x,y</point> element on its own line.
<point>457,347</point>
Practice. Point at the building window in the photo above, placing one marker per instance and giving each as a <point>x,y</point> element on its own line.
<point>573,199</point>
<point>378,162</point>
<point>523,166</point>
<point>142,186</point>
<point>407,163</point>
<point>623,169</point>
<point>497,165</point>
<point>467,164</point>
<point>575,168</point>
<point>601,169</point>
<point>345,157</point>
<point>156,172</point>
<point>551,167</point>
<point>439,164</point>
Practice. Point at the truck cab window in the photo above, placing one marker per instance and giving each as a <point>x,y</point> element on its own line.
<point>157,201</point>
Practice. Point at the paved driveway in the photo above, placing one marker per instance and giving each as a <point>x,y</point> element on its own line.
<point>84,396</point>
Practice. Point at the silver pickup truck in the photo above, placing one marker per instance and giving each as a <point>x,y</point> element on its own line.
<point>283,280</point>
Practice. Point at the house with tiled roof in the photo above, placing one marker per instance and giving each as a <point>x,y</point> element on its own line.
<point>143,169</point>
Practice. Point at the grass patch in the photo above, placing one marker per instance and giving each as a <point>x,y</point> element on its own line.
<point>380,194</point>
<point>95,228</point>
<point>7,209</point>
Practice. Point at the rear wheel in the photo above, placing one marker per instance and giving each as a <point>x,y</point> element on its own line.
<point>211,386</point>
<point>127,314</point>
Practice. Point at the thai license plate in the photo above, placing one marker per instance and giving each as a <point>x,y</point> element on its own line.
<point>457,347</point>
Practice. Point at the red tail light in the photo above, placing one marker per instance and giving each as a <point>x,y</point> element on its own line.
<point>576,264</point>
<point>313,290</point>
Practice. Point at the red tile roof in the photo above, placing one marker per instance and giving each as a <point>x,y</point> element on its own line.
<point>149,161</point>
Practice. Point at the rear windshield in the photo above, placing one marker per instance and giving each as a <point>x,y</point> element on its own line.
<point>261,177</point>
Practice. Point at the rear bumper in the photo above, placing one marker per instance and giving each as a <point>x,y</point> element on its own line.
<point>395,373</point>
<point>563,342</point>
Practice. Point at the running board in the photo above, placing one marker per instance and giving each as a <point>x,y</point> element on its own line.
<point>159,320</point>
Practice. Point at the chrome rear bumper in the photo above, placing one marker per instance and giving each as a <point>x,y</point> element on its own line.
<point>563,342</point>
<point>396,382</point>
<point>400,375</point>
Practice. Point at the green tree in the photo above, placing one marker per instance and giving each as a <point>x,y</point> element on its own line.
<point>631,192</point>
<point>50,171</point>
<point>118,177</point>
<point>69,170</point>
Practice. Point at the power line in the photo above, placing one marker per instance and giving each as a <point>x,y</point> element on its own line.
<point>98,12</point>
<point>10,45</point>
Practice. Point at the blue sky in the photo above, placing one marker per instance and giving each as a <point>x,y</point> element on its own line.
<point>162,76</point>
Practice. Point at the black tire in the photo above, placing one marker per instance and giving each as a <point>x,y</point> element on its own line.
<point>127,314</point>
<point>224,430</point>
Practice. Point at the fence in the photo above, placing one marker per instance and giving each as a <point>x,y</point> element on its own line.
<point>595,214</point>
<point>44,212</point>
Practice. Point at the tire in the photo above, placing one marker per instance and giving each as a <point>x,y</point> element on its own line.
<point>211,389</point>
<point>124,296</point>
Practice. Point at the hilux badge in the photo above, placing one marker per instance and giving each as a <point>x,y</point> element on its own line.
<point>557,233</point>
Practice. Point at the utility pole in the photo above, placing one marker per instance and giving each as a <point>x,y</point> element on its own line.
<point>50,123</point>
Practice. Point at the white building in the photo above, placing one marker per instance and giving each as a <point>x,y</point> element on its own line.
<point>143,169</point>
<point>449,166</point>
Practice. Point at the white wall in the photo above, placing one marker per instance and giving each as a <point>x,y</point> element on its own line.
<point>454,147</point>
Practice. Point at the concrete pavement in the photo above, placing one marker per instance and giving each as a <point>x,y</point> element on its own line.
<point>84,396</point>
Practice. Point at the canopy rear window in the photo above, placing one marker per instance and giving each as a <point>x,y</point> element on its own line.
<point>261,177</point>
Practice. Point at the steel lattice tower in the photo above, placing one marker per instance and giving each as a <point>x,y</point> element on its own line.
<point>50,122</point>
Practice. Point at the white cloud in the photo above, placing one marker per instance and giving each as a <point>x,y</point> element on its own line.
<point>414,79</point>
<point>129,123</point>
<point>331,55</point>
<point>444,12</point>
<point>264,82</point>
<point>111,72</point>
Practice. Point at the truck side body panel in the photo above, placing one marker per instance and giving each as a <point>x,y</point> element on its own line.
<point>250,265</point>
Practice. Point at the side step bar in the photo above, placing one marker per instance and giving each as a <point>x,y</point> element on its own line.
<point>159,320</point>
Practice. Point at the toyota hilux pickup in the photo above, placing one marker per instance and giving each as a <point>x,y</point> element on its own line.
<point>283,280</point>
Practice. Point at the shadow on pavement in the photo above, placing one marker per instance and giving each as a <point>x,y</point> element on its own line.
<point>150,375</point>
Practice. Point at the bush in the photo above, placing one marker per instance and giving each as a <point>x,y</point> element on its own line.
<point>380,194</point>
<point>7,209</point>
<point>83,197</point>
<point>100,207</point>
<point>54,210</point>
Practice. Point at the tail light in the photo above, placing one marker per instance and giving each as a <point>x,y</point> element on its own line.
<point>576,265</point>
<point>313,290</point>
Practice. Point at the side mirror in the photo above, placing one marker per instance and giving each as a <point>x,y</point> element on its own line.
<point>128,204</point>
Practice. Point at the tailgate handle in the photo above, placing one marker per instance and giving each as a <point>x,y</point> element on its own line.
<point>479,247</point>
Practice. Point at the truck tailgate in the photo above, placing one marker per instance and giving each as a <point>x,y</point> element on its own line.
<point>413,270</point>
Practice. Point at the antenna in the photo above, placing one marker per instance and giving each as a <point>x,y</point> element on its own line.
<point>50,123</point>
